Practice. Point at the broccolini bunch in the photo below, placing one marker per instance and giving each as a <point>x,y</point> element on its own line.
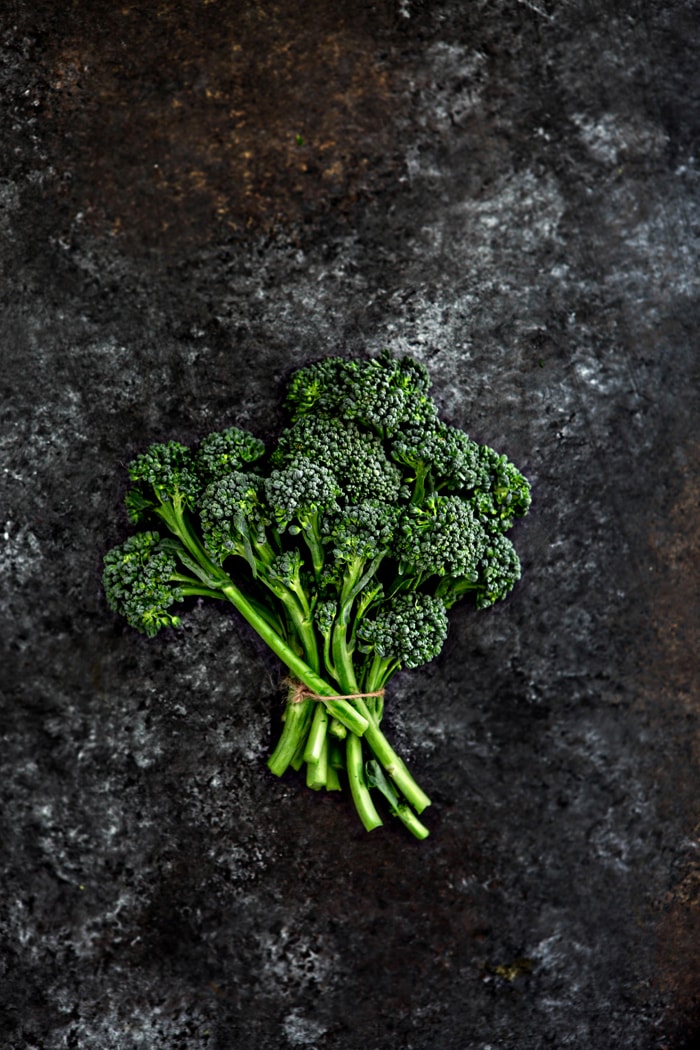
<point>343,547</point>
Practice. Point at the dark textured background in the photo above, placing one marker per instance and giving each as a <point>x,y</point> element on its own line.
<point>195,198</point>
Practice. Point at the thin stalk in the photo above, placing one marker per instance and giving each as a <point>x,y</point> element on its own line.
<point>375,678</point>
<point>295,728</point>
<point>342,658</point>
<point>298,760</point>
<point>408,818</point>
<point>394,766</point>
<point>298,591</point>
<point>401,810</point>
<point>303,626</point>
<point>309,530</point>
<point>317,734</point>
<point>192,591</point>
<point>332,779</point>
<point>174,518</point>
<point>355,581</point>
<point>358,785</point>
<point>419,491</point>
<point>337,729</point>
<point>380,671</point>
<point>341,709</point>
<point>327,657</point>
<point>336,757</point>
<point>317,772</point>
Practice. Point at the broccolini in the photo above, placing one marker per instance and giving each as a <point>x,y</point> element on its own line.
<point>343,547</point>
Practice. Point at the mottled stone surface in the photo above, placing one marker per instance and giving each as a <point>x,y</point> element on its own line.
<point>195,199</point>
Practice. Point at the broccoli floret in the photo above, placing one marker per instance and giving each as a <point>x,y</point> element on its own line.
<point>358,539</point>
<point>441,457</point>
<point>325,613</point>
<point>317,388</point>
<point>286,568</point>
<point>140,583</point>
<point>298,495</point>
<point>357,459</point>
<point>441,537</point>
<point>501,493</point>
<point>362,531</point>
<point>234,518</point>
<point>165,482</point>
<point>385,393</point>
<point>226,450</point>
<point>411,628</point>
<point>498,570</point>
<point>302,490</point>
<point>382,393</point>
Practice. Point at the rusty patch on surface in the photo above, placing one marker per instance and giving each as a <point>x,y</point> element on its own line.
<point>677,547</point>
<point>679,949</point>
<point>176,122</point>
<point>676,676</point>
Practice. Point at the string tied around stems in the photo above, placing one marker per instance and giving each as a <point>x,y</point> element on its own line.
<point>299,692</point>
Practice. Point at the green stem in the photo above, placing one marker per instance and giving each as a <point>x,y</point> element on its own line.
<point>401,810</point>
<point>303,626</point>
<point>394,766</point>
<point>327,657</point>
<point>332,779</point>
<point>317,734</point>
<point>174,518</point>
<point>359,585</point>
<point>341,709</point>
<point>317,772</point>
<point>408,818</point>
<point>310,532</point>
<point>337,729</point>
<point>419,490</point>
<point>380,671</point>
<point>358,785</point>
<point>200,592</point>
<point>342,658</point>
<point>297,719</point>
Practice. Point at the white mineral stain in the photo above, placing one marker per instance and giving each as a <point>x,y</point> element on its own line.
<point>294,960</point>
<point>300,1030</point>
<point>453,91</point>
<point>20,552</point>
<point>611,138</point>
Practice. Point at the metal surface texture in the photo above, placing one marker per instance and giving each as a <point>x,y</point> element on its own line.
<point>194,200</point>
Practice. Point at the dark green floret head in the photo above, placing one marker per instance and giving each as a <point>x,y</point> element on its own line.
<point>362,531</point>
<point>138,583</point>
<point>316,388</point>
<point>386,393</point>
<point>325,613</point>
<point>355,457</point>
<point>411,628</point>
<point>164,473</point>
<point>382,393</point>
<point>286,568</point>
<point>441,537</point>
<point>227,450</point>
<point>301,488</point>
<point>501,493</point>
<point>499,571</point>
<point>441,456</point>
<point>231,511</point>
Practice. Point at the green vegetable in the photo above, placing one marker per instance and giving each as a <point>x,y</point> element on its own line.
<point>344,546</point>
